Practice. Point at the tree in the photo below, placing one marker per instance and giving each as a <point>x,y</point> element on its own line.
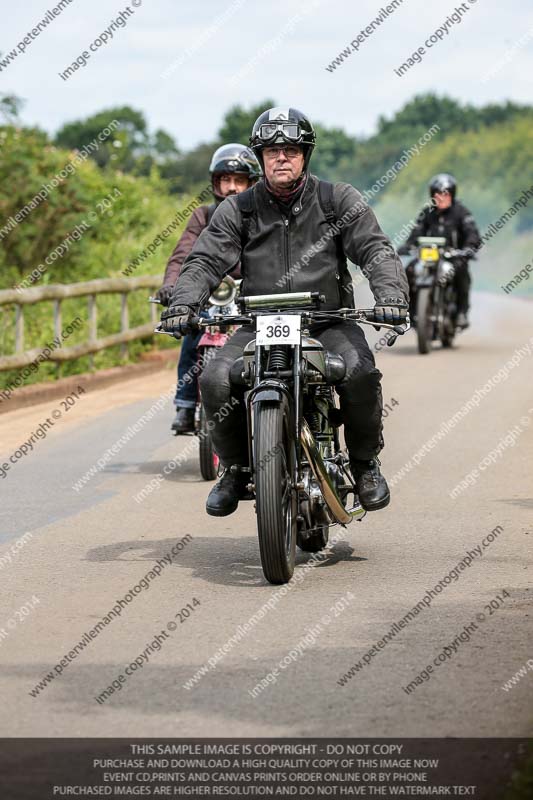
<point>332,146</point>
<point>164,146</point>
<point>10,107</point>
<point>238,122</point>
<point>423,111</point>
<point>128,147</point>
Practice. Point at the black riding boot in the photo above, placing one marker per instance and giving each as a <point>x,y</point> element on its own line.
<point>224,497</point>
<point>371,485</point>
<point>183,421</point>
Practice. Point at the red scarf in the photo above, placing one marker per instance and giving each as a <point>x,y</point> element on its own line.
<point>288,194</point>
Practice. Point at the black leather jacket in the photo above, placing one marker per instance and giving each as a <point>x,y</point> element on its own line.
<point>456,223</point>
<point>299,252</point>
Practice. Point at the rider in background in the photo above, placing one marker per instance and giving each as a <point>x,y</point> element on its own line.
<point>449,218</point>
<point>233,169</point>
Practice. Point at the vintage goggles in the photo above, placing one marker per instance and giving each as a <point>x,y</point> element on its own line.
<point>289,131</point>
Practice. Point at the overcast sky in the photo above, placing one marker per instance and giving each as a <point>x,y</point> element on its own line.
<point>209,47</point>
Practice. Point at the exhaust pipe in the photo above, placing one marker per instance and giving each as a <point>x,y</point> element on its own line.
<point>333,501</point>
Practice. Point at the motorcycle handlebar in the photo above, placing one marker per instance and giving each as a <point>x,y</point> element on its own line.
<point>365,316</point>
<point>447,253</point>
<point>467,253</point>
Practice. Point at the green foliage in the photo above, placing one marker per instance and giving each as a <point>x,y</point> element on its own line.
<point>128,147</point>
<point>491,167</point>
<point>374,155</point>
<point>138,209</point>
<point>338,155</point>
<point>10,107</point>
<point>189,173</point>
<point>333,145</point>
<point>426,109</point>
<point>29,162</point>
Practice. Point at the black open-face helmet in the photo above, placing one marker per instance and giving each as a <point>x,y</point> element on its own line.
<point>283,125</point>
<point>443,182</point>
<point>232,158</point>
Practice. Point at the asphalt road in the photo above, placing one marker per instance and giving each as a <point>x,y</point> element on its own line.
<point>86,549</point>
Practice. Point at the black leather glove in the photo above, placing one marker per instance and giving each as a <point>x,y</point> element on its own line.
<point>164,294</point>
<point>391,311</point>
<point>176,320</point>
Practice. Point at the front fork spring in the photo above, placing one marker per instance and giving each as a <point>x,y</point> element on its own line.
<point>278,358</point>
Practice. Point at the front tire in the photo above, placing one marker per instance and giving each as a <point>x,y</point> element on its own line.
<point>208,457</point>
<point>424,323</point>
<point>448,324</point>
<point>276,505</point>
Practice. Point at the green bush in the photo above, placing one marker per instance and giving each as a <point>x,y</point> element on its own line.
<point>139,209</point>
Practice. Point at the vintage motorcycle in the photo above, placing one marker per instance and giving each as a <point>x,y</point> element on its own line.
<point>435,298</point>
<point>299,474</point>
<point>221,304</point>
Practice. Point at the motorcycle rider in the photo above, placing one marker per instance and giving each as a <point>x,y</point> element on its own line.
<point>233,169</point>
<point>281,231</point>
<point>447,217</point>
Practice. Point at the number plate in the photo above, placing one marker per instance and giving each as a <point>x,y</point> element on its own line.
<point>278,329</point>
<point>429,254</point>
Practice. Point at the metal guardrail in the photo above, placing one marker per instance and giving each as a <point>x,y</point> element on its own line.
<point>90,289</point>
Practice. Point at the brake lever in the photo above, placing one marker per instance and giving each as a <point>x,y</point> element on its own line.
<point>398,331</point>
<point>157,329</point>
<point>401,330</point>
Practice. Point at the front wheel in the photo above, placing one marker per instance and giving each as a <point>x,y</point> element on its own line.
<point>274,458</point>
<point>208,457</point>
<point>448,322</point>
<point>424,321</point>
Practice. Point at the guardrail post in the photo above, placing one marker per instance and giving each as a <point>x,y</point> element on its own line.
<point>93,324</point>
<point>56,294</point>
<point>58,326</point>
<point>19,329</point>
<point>124,322</point>
<point>58,319</point>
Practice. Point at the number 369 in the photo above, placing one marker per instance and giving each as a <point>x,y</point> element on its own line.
<point>277,331</point>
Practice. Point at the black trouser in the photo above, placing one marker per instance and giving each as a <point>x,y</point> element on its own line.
<point>359,394</point>
<point>461,282</point>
